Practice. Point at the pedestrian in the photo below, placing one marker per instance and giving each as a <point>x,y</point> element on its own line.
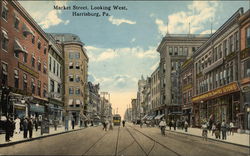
<point>36,124</point>
<point>170,124</point>
<point>213,129</point>
<point>17,125</point>
<point>141,123</point>
<point>217,130</point>
<point>25,128</point>
<point>123,123</point>
<point>13,127</point>
<point>162,126</point>
<point>106,125</point>
<point>231,126</point>
<point>204,130</point>
<point>66,122</point>
<point>224,130</point>
<point>73,123</point>
<point>8,129</point>
<point>174,124</point>
<point>186,126</point>
<point>55,124</point>
<point>30,127</point>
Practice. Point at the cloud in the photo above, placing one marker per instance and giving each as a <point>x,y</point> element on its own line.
<point>198,14</point>
<point>154,66</point>
<point>45,16</point>
<point>133,40</point>
<point>96,54</point>
<point>207,31</point>
<point>118,21</point>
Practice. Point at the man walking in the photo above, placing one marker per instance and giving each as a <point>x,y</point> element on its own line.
<point>163,125</point>
<point>186,126</point>
<point>7,129</point>
<point>224,130</point>
<point>17,125</point>
<point>25,128</point>
<point>123,123</point>
<point>30,127</point>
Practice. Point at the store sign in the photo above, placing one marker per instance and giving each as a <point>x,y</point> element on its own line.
<point>28,70</point>
<point>245,88</point>
<point>232,87</point>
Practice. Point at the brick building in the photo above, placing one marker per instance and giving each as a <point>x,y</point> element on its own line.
<point>23,60</point>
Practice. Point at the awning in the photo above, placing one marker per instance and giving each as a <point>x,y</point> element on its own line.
<point>18,47</point>
<point>159,116</point>
<point>78,102</point>
<point>175,113</point>
<point>144,117</point>
<point>150,117</point>
<point>27,30</point>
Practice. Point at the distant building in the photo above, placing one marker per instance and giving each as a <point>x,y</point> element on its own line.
<point>94,100</point>
<point>134,109</point>
<point>139,99</point>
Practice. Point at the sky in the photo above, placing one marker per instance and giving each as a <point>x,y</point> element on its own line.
<point>122,46</point>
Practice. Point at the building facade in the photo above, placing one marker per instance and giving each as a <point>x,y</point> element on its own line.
<point>216,74</point>
<point>139,99</point>
<point>75,75</point>
<point>94,101</point>
<point>23,58</point>
<point>55,81</point>
<point>174,50</point>
<point>156,108</point>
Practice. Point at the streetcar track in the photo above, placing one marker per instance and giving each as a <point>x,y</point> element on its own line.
<point>156,142</point>
<point>94,144</point>
<point>151,148</point>
<point>117,142</point>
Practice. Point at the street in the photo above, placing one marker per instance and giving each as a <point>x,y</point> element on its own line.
<point>128,140</point>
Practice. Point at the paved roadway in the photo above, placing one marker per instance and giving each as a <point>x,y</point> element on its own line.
<point>124,141</point>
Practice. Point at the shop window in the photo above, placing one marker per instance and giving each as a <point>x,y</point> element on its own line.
<point>5,40</point>
<point>5,12</point>
<point>16,79</point>
<point>248,37</point>
<point>4,74</point>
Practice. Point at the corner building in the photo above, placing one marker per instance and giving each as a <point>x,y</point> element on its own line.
<point>75,76</point>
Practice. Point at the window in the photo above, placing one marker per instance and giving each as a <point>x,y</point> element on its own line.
<point>16,22</point>
<point>33,39</point>
<point>39,45</point>
<point>25,82</point>
<point>185,51</point>
<point>33,87</point>
<point>45,51</point>
<point>170,51</point>
<point>77,65</point>
<point>71,66</point>
<point>231,42</point>
<point>181,51</point>
<point>45,68</point>
<point>78,78</point>
<point>33,61</point>
<point>193,49</point>
<point>39,88</point>
<point>246,68</point>
<point>45,90</point>
<point>54,66</point>
<point>220,51</point>
<point>5,40</point>
<point>39,65</point>
<point>248,37</point>
<point>71,78</point>
<point>215,54</point>
<point>5,12</point>
<point>25,55</point>
<point>77,55</point>
<point>4,74</point>
<point>59,88</point>
<point>71,55</point>
<point>77,91</point>
<point>49,63</point>
<point>175,50</point>
<point>52,85</point>
<point>225,48</point>
<point>16,53</point>
<point>71,90</point>
<point>16,79</point>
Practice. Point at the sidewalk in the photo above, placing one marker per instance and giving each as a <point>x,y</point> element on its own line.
<point>236,138</point>
<point>18,138</point>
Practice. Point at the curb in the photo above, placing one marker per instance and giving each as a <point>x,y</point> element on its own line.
<point>211,139</point>
<point>39,137</point>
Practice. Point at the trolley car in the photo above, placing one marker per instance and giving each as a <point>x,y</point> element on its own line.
<point>117,120</point>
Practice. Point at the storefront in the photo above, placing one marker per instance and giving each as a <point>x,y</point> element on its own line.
<point>217,105</point>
